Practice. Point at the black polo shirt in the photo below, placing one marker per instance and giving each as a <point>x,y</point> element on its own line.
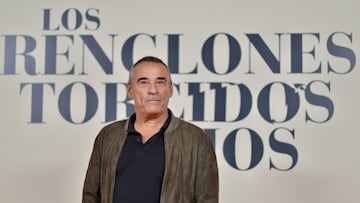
<point>140,167</point>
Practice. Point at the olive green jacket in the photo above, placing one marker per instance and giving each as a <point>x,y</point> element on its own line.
<point>191,172</point>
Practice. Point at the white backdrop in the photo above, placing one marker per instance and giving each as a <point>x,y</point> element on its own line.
<point>44,152</point>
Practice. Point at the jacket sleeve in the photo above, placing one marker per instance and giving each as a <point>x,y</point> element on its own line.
<point>91,190</point>
<point>207,179</point>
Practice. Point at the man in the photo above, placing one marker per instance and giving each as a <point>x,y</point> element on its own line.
<point>153,156</point>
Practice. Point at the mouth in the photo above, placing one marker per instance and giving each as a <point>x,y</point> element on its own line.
<point>152,99</point>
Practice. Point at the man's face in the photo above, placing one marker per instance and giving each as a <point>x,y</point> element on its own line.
<point>150,89</point>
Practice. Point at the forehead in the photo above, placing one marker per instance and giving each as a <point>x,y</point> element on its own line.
<point>149,70</point>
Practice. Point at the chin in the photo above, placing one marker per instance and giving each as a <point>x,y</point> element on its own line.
<point>154,110</point>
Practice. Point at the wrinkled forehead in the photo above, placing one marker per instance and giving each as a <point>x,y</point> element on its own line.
<point>151,70</point>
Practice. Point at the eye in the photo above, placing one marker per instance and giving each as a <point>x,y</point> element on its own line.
<point>161,82</point>
<point>143,82</point>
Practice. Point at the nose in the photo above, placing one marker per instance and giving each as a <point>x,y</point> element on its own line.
<point>153,89</point>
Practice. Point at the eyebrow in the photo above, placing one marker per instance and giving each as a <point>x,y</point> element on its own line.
<point>145,78</point>
<point>142,78</point>
<point>161,78</point>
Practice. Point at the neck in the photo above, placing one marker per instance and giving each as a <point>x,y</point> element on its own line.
<point>151,121</point>
<point>147,126</point>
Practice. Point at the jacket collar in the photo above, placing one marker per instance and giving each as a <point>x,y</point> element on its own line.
<point>174,122</point>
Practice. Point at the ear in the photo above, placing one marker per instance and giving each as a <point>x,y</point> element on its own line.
<point>129,91</point>
<point>171,90</point>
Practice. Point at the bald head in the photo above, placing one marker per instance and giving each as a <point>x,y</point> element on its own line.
<point>150,59</point>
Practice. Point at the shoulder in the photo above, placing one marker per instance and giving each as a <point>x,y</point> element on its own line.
<point>186,130</point>
<point>180,124</point>
<point>186,125</point>
<point>113,130</point>
<point>115,125</point>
